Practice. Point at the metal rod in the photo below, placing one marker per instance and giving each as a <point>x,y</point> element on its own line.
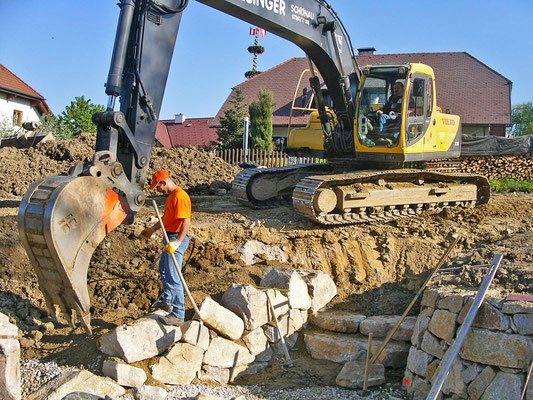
<point>185,287</point>
<point>527,381</point>
<point>367,363</point>
<point>447,362</point>
<point>411,305</point>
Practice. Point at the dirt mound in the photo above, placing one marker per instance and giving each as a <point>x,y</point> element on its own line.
<point>198,172</point>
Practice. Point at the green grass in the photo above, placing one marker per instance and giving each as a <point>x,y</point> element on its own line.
<point>511,185</point>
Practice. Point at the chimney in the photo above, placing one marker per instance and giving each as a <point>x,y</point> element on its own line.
<point>367,51</point>
<point>180,118</point>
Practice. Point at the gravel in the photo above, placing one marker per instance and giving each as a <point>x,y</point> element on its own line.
<point>34,374</point>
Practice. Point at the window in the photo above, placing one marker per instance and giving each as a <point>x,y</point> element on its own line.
<point>17,118</point>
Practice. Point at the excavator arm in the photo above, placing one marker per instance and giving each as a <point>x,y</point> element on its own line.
<point>62,219</point>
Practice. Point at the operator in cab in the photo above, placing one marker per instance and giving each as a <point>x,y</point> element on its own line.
<point>392,109</point>
<point>177,222</point>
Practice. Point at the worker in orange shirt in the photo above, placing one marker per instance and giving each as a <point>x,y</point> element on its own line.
<point>177,222</point>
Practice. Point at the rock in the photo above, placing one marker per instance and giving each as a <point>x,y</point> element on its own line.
<point>341,348</point>
<point>271,331</point>
<point>454,383</point>
<point>488,317</point>
<point>241,371</point>
<point>443,325</point>
<point>221,320</point>
<point>337,321</point>
<point>352,375</point>
<point>289,279</point>
<point>77,381</point>
<point>432,345</point>
<point>421,388</point>
<point>123,374</point>
<point>476,389</point>
<point>504,387</point>
<point>290,342</point>
<point>206,396</point>
<point>215,375</point>
<point>432,368</point>
<point>9,360</point>
<point>421,325</point>
<point>149,393</point>
<point>257,344</point>
<point>472,372</point>
<point>196,334</point>
<point>517,307</point>
<point>524,323</point>
<point>143,339</point>
<point>497,348</point>
<point>250,248</point>
<point>430,297</point>
<point>320,286</point>
<point>248,303</point>
<point>452,303</point>
<point>225,354</point>
<point>418,361</point>
<point>381,325</point>
<point>179,366</point>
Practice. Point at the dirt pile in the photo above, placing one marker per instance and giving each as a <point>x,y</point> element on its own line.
<point>198,172</point>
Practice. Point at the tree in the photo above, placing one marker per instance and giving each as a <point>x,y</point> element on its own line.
<point>261,121</point>
<point>77,117</point>
<point>50,124</point>
<point>522,117</point>
<point>231,132</point>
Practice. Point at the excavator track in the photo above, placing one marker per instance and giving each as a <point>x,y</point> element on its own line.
<point>374,196</point>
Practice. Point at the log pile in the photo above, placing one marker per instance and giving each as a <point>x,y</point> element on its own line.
<point>519,167</point>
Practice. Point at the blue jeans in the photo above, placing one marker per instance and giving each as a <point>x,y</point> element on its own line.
<point>172,286</point>
<point>384,120</point>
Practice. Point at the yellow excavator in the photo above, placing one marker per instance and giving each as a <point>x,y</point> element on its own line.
<point>62,219</point>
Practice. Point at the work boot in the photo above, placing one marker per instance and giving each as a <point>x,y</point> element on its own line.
<point>171,320</point>
<point>159,305</point>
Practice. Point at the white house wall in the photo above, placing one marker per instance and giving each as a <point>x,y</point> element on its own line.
<point>7,107</point>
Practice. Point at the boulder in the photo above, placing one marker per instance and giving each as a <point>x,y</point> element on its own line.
<point>476,389</point>
<point>221,320</point>
<point>179,366</point>
<point>337,321</point>
<point>289,279</point>
<point>488,317</point>
<point>517,307</point>
<point>353,372</point>
<point>451,302</point>
<point>149,393</point>
<point>381,325</point>
<point>143,339</point>
<point>215,375</point>
<point>9,360</point>
<point>196,334</point>
<point>524,323</point>
<point>225,354</point>
<point>320,286</point>
<point>248,303</point>
<point>257,344</point>
<point>249,249</point>
<point>443,325</point>
<point>418,361</point>
<point>421,325</point>
<point>123,374</point>
<point>504,386</point>
<point>432,345</point>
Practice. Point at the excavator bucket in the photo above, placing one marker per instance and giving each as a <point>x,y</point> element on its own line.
<point>61,220</point>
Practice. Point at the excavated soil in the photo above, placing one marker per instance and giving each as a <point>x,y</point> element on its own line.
<point>377,268</point>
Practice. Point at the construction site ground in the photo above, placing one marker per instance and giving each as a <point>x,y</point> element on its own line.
<point>377,267</point>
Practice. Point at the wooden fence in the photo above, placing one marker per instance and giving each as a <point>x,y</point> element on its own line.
<point>264,157</point>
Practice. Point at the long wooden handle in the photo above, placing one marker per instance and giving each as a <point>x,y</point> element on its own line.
<point>185,287</point>
<point>282,339</point>
<point>419,293</point>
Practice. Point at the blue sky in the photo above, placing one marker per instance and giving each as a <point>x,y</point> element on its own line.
<point>62,48</point>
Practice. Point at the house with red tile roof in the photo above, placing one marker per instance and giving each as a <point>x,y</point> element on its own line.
<point>465,86</point>
<point>183,131</point>
<point>19,102</point>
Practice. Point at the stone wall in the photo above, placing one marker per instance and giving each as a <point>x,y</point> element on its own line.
<point>493,361</point>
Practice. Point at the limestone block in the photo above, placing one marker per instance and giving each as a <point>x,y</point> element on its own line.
<point>179,366</point>
<point>418,361</point>
<point>432,345</point>
<point>504,387</point>
<point>430,297</point>
<point>225,354</point>
<point>443,325</point>
<point>524,323</point>
<point>149,393</point>
<point>250,248</point>
<point>421,325</point>
<point>221,320</point>
<point>195,333</point>
<point>123,374</point>
<point>497,348</point>
<point>452,303</point>
<point>454,383</point>
<point>241,371</point>
<point>353,372</point>
<point>206,396</point>
<point>337,321</point>
<point>145,338</point>
<point>381,325</point>
<point>248,303</point>
<point>9,360</point>
<point>272,333</point>
<point>296,320</point>
<point>488,317</point>
<point>289,279</point>
<point>341,348</point>
<point>476,389</point>
<point>517,307</point>
<point>215,375</point>
<point>77,381</point>
<point>257,344</point>
<point>320,286</point>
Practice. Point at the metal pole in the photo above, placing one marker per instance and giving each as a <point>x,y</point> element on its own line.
<point>245,138</point>
<point>465,329</point>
